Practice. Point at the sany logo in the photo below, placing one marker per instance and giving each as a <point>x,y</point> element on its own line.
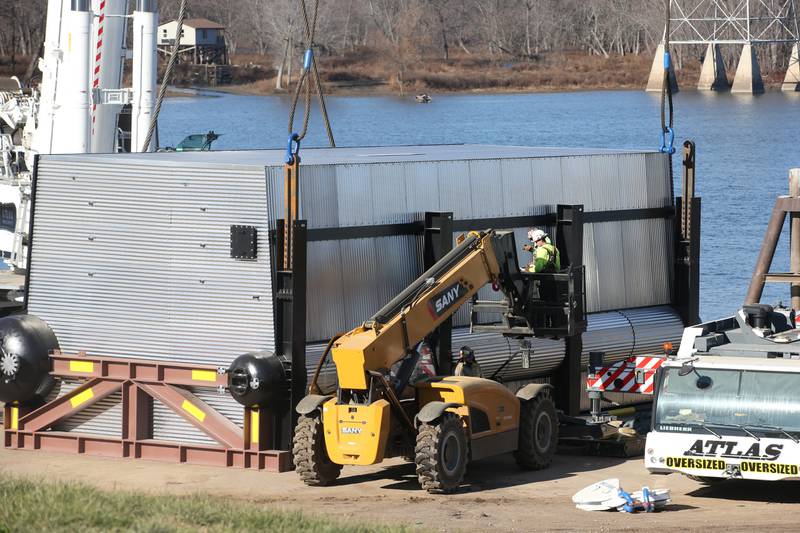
<point>723,448</point>
<point>351,430</point>
<point>445,299</point>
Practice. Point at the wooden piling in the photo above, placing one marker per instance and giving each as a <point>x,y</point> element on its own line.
<point>794,237</point>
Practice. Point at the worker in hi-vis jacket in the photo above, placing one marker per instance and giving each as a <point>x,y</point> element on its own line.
<point>546,257</point>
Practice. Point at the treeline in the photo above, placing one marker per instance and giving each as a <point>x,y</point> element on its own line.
<point>394,39</point>
<point>401,35</point>
<point>437,28</point>
<point>509,29</point>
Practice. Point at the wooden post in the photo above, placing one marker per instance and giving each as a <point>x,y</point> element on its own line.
<point>767,252</point>
<point>794,237</point>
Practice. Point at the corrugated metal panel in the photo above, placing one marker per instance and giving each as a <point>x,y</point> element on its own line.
<point>605,183</point>
<point>101,418</point>
<point>659,190</point>
<point>611,267</point>
<point>631,170</point>
<point>134,260</point>
<point>547,181</point>
<point>486,181</point>
<point>170,426</point>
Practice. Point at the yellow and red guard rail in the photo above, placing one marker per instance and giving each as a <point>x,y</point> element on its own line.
<point>142,370</point>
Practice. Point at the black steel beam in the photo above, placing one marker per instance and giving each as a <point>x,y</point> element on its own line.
<point>34,182</point>
<point>290,329</point>
<point>437,241</point>
<point>686,294</point>
<point>567,377</point>
<point>569,234</point>
<point>418,228</point>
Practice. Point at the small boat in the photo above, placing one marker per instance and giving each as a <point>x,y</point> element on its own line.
<point>423,98</point>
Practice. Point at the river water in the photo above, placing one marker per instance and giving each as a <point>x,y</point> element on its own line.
<point>745,146</point>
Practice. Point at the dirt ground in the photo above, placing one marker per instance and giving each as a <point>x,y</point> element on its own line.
<point>496,495</point>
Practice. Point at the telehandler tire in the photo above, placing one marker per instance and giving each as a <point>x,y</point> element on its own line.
<point>442,453</point>
<point>310,457</point>
<point>538,433</point>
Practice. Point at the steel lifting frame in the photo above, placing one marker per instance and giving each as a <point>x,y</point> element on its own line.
<point>141,382</point>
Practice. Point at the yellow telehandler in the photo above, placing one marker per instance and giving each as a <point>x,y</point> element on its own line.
<point>441,422</point>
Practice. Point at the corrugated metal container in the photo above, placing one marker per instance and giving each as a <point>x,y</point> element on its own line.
<point>134,260</point>
<point>382,186</point>
<point>131,252</point>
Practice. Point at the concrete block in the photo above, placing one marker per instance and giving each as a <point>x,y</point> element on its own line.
<point>712,75</point>
<point>792,80</point>
<point>748,74</point>
<point>656,79</point>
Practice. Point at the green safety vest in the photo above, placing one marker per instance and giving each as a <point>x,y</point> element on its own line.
<point>546,258</point>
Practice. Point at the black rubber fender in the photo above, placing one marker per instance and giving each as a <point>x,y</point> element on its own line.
<point>532,390</point>
<point>433,410</point>
<point>311,403</point>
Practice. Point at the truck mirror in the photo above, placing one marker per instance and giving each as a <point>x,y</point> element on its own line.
<point>686,369</point>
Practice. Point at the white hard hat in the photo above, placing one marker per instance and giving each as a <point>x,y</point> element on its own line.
<point>536,235</point>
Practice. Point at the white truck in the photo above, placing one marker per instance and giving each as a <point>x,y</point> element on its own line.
<point>727,406</point>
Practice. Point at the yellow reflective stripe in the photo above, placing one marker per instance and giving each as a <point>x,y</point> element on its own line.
<point>14,417</point>
<point>204,375</point>
<point>81,366</point>
<point>193,410</point>
<point>254,429</point>
<point>83,397</point>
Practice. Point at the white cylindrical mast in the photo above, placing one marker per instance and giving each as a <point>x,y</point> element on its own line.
<point>50,65</point>
<point>108,54</point>
<point>145,27</point>
<point>71,127</point>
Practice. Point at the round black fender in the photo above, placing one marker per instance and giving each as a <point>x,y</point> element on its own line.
<point>25,344</point>
<point>258,379</point>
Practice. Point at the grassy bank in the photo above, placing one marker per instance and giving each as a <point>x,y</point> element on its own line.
<point>43,506</point>
<point>367,72</point>
<point>374,74</point>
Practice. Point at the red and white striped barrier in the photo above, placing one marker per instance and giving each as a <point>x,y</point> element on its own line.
<point>98,56</point>
<point>634,374</point>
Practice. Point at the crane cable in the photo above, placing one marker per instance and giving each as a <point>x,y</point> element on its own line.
<point>162,91</point>
<point>309,68</point>
<point>667,131</point>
